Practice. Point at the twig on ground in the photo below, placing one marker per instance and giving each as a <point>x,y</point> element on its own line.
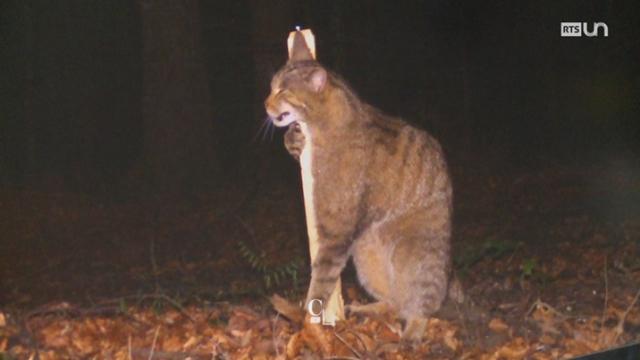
<point>153,345</point>
<point>57,308</point>
<point>392,328</point>
<point>171,301</point>
<point>129,347</point>
<point>541,304</point>
<point>66,310</point>
<point>273,335</point>
<point>606,295</point>
<point>144,297</point>
<point>172,355</point>
<point>620,326</point>
<point>357,336</point>
<point>141,298</point>
<point>351,348</point>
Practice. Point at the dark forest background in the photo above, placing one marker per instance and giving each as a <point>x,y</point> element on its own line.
<point>494,81</point>
<point>137,166</point>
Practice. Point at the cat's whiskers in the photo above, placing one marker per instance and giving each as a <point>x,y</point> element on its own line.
<point>255,137</point>
<point>263,130</point>
<point>272,130</point>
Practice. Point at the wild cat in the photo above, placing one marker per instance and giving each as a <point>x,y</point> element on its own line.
<point>382,193</point>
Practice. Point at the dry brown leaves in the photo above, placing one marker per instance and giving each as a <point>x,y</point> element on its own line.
<point>231,332</point>
<point>144,333</point>
<point>238,332</point>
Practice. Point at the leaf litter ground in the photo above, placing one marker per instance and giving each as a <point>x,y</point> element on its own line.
<point>549,259</point>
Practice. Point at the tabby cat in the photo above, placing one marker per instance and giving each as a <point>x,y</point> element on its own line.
<point>381,187</point>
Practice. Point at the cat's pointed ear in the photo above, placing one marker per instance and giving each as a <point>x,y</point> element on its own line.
<point>318,79</point>
<point>300,50</point>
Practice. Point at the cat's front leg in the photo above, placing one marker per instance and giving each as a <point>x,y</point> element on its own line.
<point>326,269</point>
<point>338,207</point>
<point>294,140</point>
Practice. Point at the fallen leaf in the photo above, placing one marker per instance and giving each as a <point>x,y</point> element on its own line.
<point>190,342</point>
<point>548,340</point>
<point>515,349</point>
<point>237,324</point>
<point>451,340</point>
<point>498,325</point>
<point>246,338</point>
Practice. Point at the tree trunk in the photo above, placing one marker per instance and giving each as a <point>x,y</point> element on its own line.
<point>177,117</point>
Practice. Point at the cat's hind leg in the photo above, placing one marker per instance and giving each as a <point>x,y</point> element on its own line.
<point>421,280</point>
<point>371,259</point>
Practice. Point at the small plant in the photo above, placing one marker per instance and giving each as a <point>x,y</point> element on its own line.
<point>158,306</point>
<point>272,275</point>
<point>492,248</point>
<point>531,271</point>
<point>123,307</point>
<point>528,267</point>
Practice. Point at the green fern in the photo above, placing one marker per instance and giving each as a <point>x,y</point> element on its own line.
<point>492,248</point>
<point>272,275</point>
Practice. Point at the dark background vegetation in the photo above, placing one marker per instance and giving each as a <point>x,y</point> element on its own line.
<point>120,100</point>
<point>493,78</point>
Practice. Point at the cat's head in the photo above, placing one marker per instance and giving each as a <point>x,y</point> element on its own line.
<point>297,89</point>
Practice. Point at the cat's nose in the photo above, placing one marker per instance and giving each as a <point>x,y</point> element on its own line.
<point>272,113</point>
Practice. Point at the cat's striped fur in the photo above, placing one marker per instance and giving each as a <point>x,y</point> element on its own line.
<point>382,193</point>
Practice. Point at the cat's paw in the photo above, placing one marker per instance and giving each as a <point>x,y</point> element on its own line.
<point>294,140</point>
<point>414,330</point>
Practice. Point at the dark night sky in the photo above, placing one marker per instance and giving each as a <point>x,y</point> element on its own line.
<point>490,79</point>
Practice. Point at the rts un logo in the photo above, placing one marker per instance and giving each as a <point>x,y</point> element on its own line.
<point>577,29</point>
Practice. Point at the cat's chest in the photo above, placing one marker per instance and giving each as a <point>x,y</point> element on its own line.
<point>330,151</point>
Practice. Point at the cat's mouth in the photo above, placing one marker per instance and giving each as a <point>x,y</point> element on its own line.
<point>284,119</point>
<point>283,115</point>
